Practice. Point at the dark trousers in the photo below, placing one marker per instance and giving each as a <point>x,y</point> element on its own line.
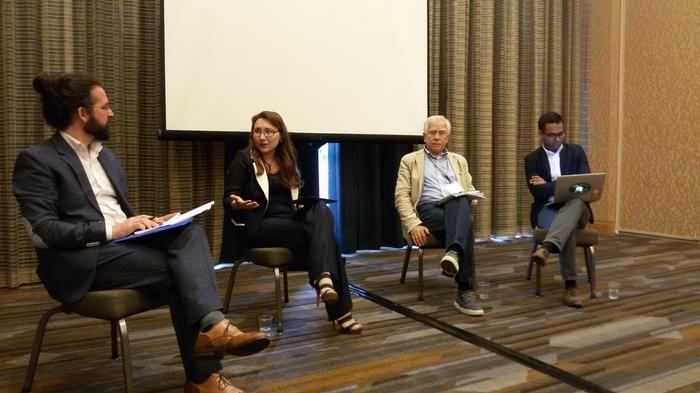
<point>452,223</point>
<point>177,263</point>
<point>309,233</point>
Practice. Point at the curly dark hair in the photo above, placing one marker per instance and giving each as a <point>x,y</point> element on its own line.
<point>62,94</point>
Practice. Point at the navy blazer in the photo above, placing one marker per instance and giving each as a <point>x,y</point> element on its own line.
<point>572,161</point>
<point>61,212</point>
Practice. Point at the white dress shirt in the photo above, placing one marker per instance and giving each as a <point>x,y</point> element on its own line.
<point>99,182</point>
<point>554,165</point>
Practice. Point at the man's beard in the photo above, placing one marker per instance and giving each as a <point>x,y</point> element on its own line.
<point>100,132</point>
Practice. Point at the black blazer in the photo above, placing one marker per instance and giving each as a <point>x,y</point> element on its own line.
<point>572,160</point>
<point>62,214</point>
<point>241,180</point>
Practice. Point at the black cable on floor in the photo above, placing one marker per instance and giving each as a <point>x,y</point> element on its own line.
<point>525,360</point>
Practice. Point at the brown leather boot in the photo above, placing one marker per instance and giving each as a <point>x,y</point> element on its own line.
<point>216,383</point>
<point>571,298</point>
<point>224,338</point>
<point>540,255</point>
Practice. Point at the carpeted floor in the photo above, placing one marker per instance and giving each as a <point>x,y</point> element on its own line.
<point>646,341</point>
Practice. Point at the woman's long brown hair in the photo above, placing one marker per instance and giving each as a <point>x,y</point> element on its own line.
<point>285,152</point>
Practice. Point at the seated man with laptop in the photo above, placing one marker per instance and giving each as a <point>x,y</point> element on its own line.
<point>570,210</point>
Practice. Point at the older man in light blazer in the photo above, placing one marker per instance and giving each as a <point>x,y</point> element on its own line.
<point>425,178</point>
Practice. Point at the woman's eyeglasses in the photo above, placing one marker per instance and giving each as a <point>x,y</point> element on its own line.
<point>267,131</point>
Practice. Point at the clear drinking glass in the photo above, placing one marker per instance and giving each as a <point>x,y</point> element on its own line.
<point>265,324</point>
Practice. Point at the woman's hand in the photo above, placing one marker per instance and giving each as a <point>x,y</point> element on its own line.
<point>238,203</point>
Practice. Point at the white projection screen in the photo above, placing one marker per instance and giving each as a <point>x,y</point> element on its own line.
<point>333,68</point>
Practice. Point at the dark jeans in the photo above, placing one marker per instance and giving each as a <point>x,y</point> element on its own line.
<point>309,232</point>
<point>453,224</point>
<point>176,263</point>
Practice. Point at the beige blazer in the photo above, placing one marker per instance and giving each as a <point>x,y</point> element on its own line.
<point>409,185</point>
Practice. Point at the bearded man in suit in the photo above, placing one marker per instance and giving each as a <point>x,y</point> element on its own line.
<point>72,193</point>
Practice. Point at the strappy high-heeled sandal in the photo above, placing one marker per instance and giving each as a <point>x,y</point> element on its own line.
<point>348,325</point>
<point>325,291</point>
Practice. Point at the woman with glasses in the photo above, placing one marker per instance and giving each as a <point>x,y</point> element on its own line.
<point>261,184</point>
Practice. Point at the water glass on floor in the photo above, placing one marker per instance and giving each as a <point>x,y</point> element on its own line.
<point>483,290</point>
<point>265,324</point>
<point>613,290</point>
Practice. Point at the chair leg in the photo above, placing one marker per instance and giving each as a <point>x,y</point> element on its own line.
<point>538,280</point>
<point>114,327</point>
<point>278,300</point>
<point>406,259</point>
<point>231,281</point>
<point>529,267</point>
<point>589,253</point>
<point>36,348</point>
<point>286,285</point>
<point>126,357</point>
<point>420,273</point>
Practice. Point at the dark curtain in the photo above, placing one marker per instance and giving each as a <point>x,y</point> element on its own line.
<point>367,178</point>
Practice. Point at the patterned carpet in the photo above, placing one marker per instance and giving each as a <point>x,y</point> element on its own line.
<point>646,341</point>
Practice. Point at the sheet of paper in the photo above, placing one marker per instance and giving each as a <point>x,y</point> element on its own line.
<point>191,213</point>
<point>453,188</point>
<point>177,218</point>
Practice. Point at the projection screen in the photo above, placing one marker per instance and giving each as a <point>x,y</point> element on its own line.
<point>329,67</point>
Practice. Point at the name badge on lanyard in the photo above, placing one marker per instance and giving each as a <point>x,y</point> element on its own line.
<point>454,188</point>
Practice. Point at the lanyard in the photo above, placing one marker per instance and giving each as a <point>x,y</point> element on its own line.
<point>434,162</point>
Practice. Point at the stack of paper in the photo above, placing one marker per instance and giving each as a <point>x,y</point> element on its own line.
<point>474,194</point>
<point>175,221</point>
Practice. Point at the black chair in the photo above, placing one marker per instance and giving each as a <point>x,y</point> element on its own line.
<point>113,305</point>
<point>585,238</point>
<point>432,242</point>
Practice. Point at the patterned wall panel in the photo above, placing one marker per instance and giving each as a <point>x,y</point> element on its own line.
<point>604,45</point>
<point>660,185</point>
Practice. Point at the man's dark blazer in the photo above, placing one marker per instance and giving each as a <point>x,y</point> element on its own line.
<point>572,161</point>
<point>62,214</point>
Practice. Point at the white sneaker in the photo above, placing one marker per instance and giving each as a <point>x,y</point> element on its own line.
<point>450,263</point>
<point>466,303</point>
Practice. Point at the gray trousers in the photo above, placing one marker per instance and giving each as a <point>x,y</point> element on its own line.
<point>562,221</point>
<point>178,264</point>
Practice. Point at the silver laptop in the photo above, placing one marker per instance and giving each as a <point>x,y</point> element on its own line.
<point>577,186</point>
